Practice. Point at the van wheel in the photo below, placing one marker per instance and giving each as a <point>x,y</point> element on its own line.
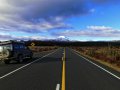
<point>7,61</point>
<point>20,59</point>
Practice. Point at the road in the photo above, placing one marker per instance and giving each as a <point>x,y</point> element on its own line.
<point>51,72</point>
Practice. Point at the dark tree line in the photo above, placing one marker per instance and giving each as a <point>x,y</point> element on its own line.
<point>71,43</point>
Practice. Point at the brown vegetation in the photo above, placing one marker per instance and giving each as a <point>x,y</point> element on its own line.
<point>42,48</point>
<point>107,54</point>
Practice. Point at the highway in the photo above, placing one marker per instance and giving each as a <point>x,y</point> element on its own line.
<point>53,72</point>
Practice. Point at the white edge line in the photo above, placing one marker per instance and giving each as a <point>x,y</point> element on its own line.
<point>98,66</point>
<point>58,87</point>
<point>25,65</point>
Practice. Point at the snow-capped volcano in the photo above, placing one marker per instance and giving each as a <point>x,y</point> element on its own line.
<point>62,38</point>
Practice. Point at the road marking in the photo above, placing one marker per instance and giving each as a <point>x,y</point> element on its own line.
<point>98,66</point>
<point>25,65</point>
<point>63,72</point>
<point>58,87</point>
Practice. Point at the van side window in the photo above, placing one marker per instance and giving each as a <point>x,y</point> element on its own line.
<point>16,46</point>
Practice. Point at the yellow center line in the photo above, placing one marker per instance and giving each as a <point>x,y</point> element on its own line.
<point>63,72</point>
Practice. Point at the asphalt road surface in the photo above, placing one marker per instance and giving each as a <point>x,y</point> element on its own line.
<point>52,72</point>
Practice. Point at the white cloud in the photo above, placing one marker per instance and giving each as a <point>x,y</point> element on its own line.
<point>30,27</point>
<point>99,28</point>
<point>4,37</point>
<point>92,10</point>
<point>28,16</point>
<point>92,31</point>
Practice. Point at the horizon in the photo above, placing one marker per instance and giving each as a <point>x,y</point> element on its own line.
<point>75,20</point>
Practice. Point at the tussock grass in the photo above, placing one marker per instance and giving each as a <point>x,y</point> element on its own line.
<point>109,56</point>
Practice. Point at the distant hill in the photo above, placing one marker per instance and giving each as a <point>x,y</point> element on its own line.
<point>59,42</point>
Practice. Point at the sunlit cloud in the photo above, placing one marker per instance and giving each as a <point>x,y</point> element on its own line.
<point>10,37</point>
<point>92,31</point>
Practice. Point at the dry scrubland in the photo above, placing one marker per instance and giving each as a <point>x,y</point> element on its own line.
<point>36,49</point>
<point>110,55</point>
<point>41,49</point>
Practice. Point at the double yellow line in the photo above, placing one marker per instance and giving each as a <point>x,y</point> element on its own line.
<point>63,72</point>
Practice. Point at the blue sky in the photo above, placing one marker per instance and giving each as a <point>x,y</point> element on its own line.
<point>81,20</point>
